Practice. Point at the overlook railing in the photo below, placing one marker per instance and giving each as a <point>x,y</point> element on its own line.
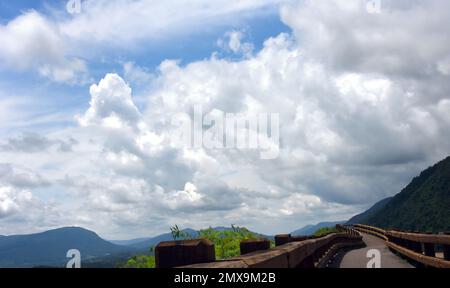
<point>290,252</point>
<point>418,247</point>
<point>380,233</point>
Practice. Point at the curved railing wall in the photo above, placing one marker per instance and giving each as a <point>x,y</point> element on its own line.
<point>290,252</point>
<point>418,247</point>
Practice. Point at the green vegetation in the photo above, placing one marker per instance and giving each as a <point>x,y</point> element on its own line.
<point>360,218</point>
<point>178,234</point>
<point>423,205</point>
<point>325,231</point>
<point>141,261</point>
<point>226,243</point>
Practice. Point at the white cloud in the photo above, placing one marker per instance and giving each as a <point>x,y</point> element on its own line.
<point>12,200</point>
<point>125,22</point>
<point>33,143</point>
<point>32,42</point>
<point>21,177</point>
<point>233,41</point>
<point>111,104</point>
<point>187,197</point>
<point>363,108</point>
<point>23,213</point>
<point>402,41</point>
<point>56,45</point>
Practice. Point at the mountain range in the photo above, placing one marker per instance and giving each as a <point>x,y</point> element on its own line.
<point>49,248</point>
<point>310,229</point>
<point>146,243</point>
<point>423,205</point>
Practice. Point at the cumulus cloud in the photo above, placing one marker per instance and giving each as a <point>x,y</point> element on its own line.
<point>12,200</point>
<point>363,101</point>
<point>389,43</point>
<point>55,45</point>
<point>32,42</point>
<point>346,127</point>
<point>111,104</point>
<point>211,196</point>
<point>23,213</point>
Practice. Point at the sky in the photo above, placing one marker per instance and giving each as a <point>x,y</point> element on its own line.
<point>88,100</point>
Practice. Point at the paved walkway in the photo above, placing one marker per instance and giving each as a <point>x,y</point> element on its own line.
<point>358,258</point>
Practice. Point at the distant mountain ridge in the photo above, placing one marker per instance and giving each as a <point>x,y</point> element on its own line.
<point>147,243</point>
<point>153,241</point>
<point>311,229</point>
<point>423,205</point>
<point>130,241</point>
<point>49,248</point>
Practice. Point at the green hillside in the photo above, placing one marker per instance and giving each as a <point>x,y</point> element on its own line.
<point>49,248</point>
<point>423,205</point>
<point>362,217</point>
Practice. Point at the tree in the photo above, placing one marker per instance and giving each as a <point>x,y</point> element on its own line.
<point>179,234</point>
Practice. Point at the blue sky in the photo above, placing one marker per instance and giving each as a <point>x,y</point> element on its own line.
<point>88,102</point>
<point>187,47</point>
<point>10,9</point>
